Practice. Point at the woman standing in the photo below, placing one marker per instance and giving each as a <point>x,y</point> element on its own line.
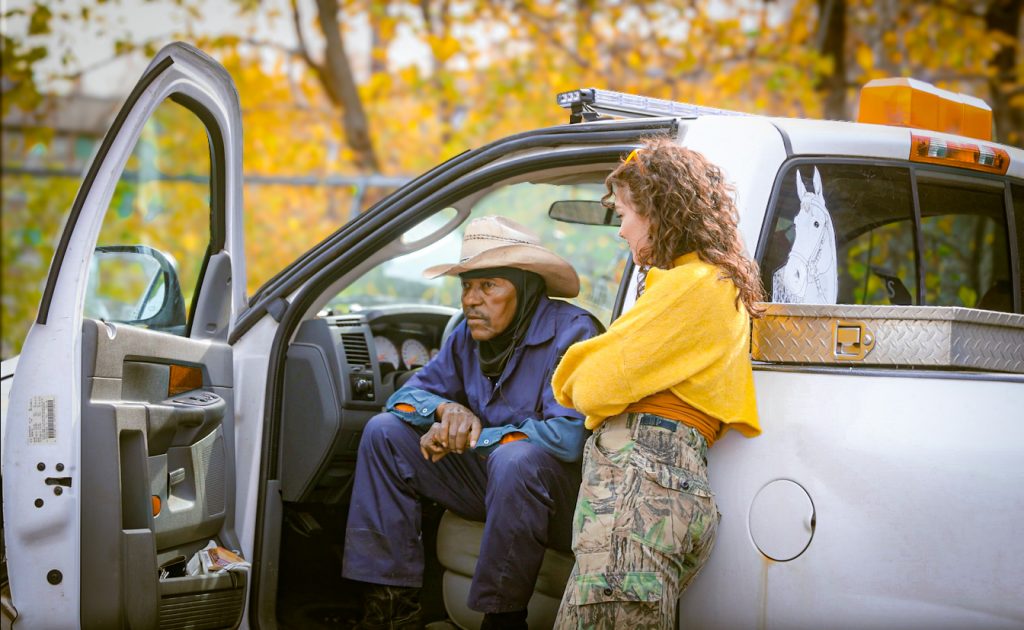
<point>666,379</point>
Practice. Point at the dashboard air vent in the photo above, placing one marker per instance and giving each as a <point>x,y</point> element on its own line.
<point>347,320</point>
<point>356,351</point>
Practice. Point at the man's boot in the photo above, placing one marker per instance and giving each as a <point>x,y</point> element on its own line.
<point>514,620</point>
<point>391,608</point>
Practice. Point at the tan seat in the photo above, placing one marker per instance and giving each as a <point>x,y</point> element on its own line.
<point>458,547</point>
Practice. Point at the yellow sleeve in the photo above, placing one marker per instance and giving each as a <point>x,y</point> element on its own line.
<point>589,377</point>
<point>682,325</point>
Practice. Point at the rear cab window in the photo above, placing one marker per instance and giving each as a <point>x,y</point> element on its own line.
<point>1017,193</point>
<point>843,231</point>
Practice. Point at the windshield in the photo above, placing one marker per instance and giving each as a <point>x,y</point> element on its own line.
<point>595,251</point>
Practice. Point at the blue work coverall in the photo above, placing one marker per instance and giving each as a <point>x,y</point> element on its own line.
<point>524,491</point>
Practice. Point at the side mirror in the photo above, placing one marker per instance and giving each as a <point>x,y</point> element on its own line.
<point>137,285</point>
<point>584,212</point>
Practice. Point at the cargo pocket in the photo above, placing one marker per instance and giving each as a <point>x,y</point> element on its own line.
<point>638,587</point>
<point>598,501</point>
<point>671,508</point>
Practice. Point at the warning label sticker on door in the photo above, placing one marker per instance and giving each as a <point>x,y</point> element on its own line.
<point>42,420</point>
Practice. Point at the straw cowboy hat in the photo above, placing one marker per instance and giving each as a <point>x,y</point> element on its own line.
<point>499,242</point>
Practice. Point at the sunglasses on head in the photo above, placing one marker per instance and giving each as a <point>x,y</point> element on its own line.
<point>633,156</point>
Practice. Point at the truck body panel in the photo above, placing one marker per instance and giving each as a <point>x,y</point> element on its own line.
<point>915,480</point>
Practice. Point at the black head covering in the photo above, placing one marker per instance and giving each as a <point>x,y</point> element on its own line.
<point>495,353</point>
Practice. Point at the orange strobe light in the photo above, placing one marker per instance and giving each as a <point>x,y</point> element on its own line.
<point>978,157</point>
<point>913,103</point>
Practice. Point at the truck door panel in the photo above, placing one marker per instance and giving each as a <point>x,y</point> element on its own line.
<point>156,473</point>
<point>117,470</point>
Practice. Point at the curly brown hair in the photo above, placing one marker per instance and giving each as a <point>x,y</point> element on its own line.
<point>690,208</point>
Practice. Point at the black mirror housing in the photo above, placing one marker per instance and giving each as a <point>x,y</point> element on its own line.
<point>583,212</point>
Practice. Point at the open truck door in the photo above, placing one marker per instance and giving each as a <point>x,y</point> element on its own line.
<point>119,452</point>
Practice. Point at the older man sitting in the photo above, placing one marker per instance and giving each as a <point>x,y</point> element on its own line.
<point>478,431</point>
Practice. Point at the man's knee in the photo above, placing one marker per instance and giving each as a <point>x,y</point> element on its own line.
<point>383,430</point>
<point>520,462</point>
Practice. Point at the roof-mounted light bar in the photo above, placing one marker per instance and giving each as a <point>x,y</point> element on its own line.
<point>975,156</point>
<point>588,103</point>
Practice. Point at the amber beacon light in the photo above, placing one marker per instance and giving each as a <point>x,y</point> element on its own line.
<point>913,103</point>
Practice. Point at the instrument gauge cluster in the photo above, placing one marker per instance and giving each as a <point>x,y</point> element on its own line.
<point>386,351</point>
<point>396,351</point>
<point>414,353</point>
<point>403,337</point>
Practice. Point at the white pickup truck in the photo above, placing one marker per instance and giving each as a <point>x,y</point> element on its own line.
<point>156,407</point>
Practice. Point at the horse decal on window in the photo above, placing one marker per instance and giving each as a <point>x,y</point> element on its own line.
<point>809,275</point>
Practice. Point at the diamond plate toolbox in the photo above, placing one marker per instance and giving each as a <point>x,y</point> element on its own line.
<point>925,336</point>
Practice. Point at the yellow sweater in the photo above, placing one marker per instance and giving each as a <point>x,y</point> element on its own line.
<point>684,334</point>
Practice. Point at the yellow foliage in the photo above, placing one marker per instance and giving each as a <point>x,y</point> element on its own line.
<point>493,69</point>
<point>865,57</point>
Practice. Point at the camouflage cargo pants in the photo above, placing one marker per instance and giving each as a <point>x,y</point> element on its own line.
<point>645,524</point>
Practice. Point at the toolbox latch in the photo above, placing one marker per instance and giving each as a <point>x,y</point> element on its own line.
<point>853,340</point>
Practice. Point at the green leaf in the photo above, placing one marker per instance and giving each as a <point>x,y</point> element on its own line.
<point>968,296</point>
<point>39,23</point>
<point>36,53</point>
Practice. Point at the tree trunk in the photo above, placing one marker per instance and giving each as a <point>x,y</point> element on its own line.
<point>832,43</point>
<point>378,44</point>
<point>1004,16</point>
<point>340,86</point>
<point>436,20</point>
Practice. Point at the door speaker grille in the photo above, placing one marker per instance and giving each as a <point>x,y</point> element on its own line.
<point>214,462</point>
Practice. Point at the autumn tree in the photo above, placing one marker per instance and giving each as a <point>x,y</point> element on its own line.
<point>396,87</point>
<point>970,47</point>
<point>506,60</point>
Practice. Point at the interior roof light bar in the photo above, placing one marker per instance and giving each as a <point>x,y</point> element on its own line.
<point>588,103</point>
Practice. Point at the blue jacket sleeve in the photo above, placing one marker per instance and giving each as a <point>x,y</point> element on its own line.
<point>563,437</point>
<point>561,429</point>
<point>423,403</point>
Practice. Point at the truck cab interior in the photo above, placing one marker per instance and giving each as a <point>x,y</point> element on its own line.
<point>373,328</point>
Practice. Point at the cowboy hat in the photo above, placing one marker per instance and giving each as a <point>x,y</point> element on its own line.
<point>492,242</point>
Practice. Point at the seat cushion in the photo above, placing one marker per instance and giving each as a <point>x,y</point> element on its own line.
<point>458,548</point>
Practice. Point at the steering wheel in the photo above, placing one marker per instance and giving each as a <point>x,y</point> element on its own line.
<point>453,323</point>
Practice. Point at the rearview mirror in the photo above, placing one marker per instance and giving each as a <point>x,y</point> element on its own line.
<point>584,212</point>
<point>137,285</point>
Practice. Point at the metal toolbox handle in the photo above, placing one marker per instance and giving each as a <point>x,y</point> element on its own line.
<point>853,340</point>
